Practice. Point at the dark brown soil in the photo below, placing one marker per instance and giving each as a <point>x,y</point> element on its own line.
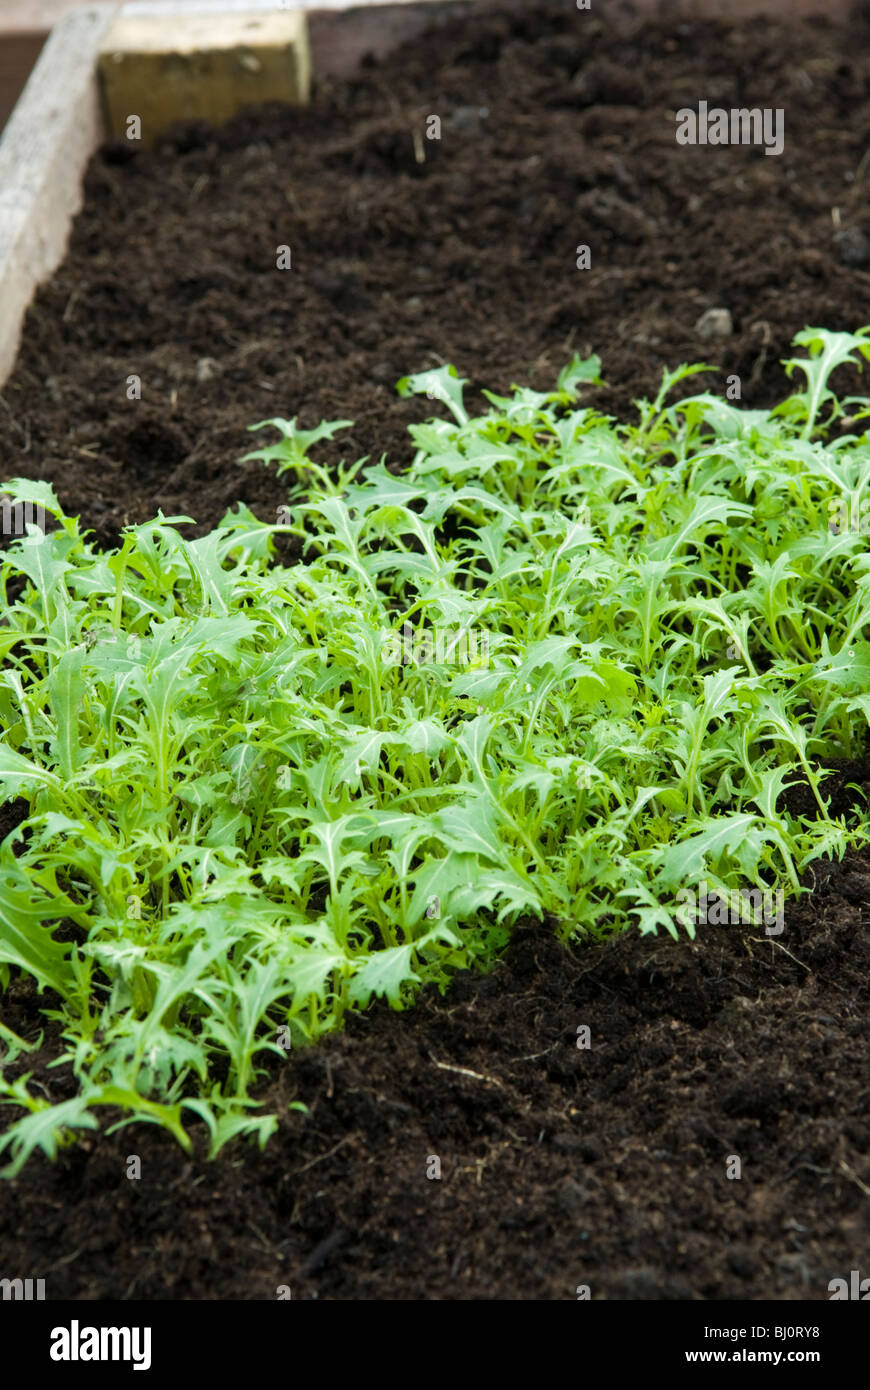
<point>468,257</point>
<point>560,1166</point>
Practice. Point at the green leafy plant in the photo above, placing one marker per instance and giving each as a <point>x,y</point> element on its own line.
<point>246,822</point>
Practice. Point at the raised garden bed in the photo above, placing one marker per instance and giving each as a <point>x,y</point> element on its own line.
<point>561,1166</point>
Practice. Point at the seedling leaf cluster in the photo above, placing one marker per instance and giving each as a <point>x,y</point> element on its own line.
<point>241,822</point>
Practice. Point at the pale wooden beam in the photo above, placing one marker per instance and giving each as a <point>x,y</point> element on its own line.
<point>197,65</point>
<point>49,138</point>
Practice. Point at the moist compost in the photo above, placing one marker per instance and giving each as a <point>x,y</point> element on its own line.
<point>560,1165</point>
<point>556,131</point>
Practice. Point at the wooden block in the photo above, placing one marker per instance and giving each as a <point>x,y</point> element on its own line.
<point>49,138</point>
<point>199,66</point>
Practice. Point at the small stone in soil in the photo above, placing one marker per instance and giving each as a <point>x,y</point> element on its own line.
<point>853,246</point>
<point>715,323</point>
